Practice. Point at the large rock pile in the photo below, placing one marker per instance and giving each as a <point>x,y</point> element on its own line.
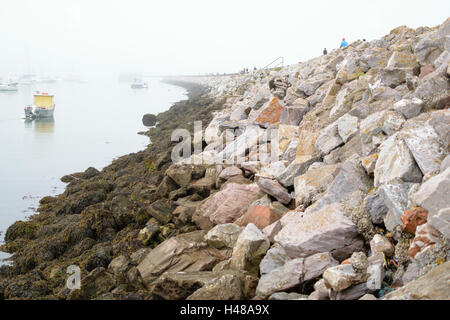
<point>363,159</point>
<point>348,200</point>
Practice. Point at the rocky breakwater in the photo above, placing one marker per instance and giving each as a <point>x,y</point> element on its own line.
<point>327,179</point>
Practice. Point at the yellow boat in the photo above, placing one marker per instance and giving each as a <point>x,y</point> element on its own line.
<point>43,106</point>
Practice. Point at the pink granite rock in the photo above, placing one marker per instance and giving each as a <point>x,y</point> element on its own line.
<point>226,205</point>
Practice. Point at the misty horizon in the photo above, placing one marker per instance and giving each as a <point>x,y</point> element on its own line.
<point>91,38</point>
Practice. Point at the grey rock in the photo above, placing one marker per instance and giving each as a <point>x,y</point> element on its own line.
<point>441,222</point>
<point>276,190</point>
<point>320,231</point>
<point>250,248</point>
<point>316,264</point>
<point>203,186</point>
<point>275,258</point>
<point>369,163</point>
<point>392,122</point>
<point>370,128</point>
<point>272,230</point>
<point>376,276</point>
<point>291,150</point>
<point>294,169</point>
<point>396,200</point>
<point>350,185</point>
<point>347,127</point>
<point>240,146</point>
<point>433,84</point>
<point>342,277</point>
<point>402,59</point>
<point>313,182</point>
<point>186,252</point>
<point>440,120</point>
<point>288,296</point>
<point>433,194</point>
<point>429,47</point>
<point>229,172</point>
<point>352,293</point>
<point>308,87</point>
<point>380,244</point>
<point>374,204</point>
<point>411,273</point>
<point>263,201</point>
<point>240,113</point>
<point>395,163</point>
<point>425,147</point>
<point>410,108</point>
<point>393,77</point>
<point>432,286</point>
<point>293,114</point>
<point>321,292</point>
<point>445,163</point>
<point>340,105</point>
<point>281,279</point>
<point>329,139</point>
<point>443,59</point>
<point>223,235</point>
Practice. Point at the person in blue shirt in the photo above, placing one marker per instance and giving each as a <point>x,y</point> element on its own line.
<point>344,43</point>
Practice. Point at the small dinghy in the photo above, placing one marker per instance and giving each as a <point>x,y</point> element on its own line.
<point>138,84</point>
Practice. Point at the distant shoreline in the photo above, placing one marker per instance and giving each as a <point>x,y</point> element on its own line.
<point>194,90</point>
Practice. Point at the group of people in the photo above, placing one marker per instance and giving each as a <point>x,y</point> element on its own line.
<point>343,45</point>
<point>244,71</point>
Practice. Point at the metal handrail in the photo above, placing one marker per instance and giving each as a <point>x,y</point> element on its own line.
<point>282,62</point>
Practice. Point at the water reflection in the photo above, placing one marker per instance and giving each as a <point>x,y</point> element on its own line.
<point>44,125</point>
<point>28,123</point>
<point>5,258</point>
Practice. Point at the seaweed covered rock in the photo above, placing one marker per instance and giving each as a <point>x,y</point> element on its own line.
<point>97,282</point>
<point>149,120</point>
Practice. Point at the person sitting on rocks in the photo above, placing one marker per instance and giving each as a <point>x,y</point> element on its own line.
<point>344,43</point>
<point>325,51</point>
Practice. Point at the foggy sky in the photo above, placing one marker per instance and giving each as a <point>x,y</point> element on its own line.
<point>57,37</point>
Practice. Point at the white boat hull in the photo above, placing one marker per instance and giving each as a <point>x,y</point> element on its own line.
<point>139,86</point>
<point>39,113</point>
<point>8,88</point>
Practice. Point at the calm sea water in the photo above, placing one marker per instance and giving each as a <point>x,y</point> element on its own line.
<point>94,123</point>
